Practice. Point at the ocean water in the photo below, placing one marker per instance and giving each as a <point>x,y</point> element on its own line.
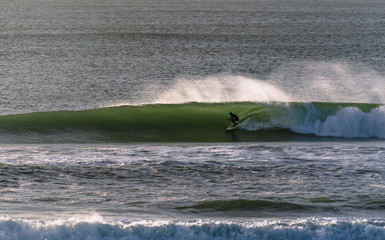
<point>113,119</point>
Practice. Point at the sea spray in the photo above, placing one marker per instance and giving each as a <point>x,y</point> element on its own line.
<point>330,81</point>
<point>221,88</point>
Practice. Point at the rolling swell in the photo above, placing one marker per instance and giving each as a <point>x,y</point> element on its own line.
<point>197,122</point>
<point>243,204</point>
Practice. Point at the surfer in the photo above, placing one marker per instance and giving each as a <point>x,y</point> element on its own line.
<point>233,118</point>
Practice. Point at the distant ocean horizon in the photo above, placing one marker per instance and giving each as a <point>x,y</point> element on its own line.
<point>113,119</point>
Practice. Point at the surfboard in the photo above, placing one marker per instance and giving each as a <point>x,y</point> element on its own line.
<point>231,127</point>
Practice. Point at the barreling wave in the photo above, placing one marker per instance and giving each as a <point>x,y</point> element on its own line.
<point>198,122</point>
<point>311,229</point>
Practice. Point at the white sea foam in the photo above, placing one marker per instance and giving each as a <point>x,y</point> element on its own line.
<point>349,122</point>
<point>315,228</point>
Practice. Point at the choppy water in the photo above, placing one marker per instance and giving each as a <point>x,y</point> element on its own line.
<point>249,190</point>
<point>113,122</point>
<point>248,179</point>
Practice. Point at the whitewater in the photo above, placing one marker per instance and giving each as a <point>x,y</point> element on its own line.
<point>95,228</point>
<point>113,119</point>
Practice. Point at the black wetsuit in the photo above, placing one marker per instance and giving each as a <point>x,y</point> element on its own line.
<point>233,119</point>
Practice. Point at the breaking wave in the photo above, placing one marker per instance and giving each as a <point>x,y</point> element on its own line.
<point>311,229</point>
<point>197,122</point>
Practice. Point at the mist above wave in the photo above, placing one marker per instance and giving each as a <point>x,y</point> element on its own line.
<point>296,81</point>
<point>328,81</point>
<point>306,81</point>
<point>221,88</point>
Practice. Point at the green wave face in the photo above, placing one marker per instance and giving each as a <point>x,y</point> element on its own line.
<point>190,122</point>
